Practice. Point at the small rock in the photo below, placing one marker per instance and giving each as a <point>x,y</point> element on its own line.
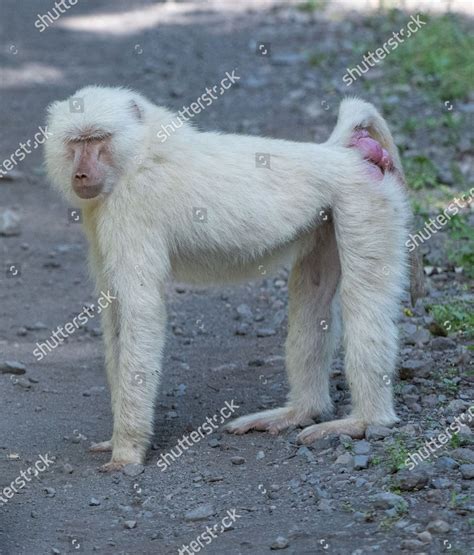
<point>94,502</point>
<point>442,483</point>
<point>213,442</point>
<point>362,447</point>
<point>23,382</point>
<point>9,223</point>
<point>377,432</point>
<point>12,175</point>
<point>438,526</point>
<point>244,313</point>
<point>442,344</point>
<point>325,506</point>
<point>37,326</point>
<point>446,463</point>
<point>387,500</point>
<point>242,329</point>
<point>411,368</point>
<point>256,362</point>
<point>410,480</point>
<point>467,471</point>
<point>12,367</point>
<point>412,545</point>
<point>425,537</point>
<point>463,454</point>
<point>265,332</point>
<point>345,458</point>
<point>133,470</point>
<point>130,524</point>
<point>280,543</point>
<point>420,337</point>
<point>361,462</point>
<point>237,460</point>
<point>201,512</point>
<point>68,469</point>
<point>306,453</point>
<point>50,492</point>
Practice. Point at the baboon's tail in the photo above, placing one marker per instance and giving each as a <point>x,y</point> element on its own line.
<point>357,114</point>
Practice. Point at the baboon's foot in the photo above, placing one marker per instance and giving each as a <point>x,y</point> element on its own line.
<point>347,426</point>
<point>101,447</point>
<point>273,421</point>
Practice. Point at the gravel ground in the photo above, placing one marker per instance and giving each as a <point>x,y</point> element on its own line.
<point>339,496</point>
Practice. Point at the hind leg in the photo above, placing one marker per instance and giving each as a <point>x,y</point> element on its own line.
<point>312,337</point>
<point>370,226</point>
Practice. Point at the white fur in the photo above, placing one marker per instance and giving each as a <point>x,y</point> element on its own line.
<point>255,216</point>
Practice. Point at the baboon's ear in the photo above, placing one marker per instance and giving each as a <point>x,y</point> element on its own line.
<point>137,111</point>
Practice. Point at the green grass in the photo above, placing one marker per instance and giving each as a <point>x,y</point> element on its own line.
<point>420,172</point>
<point>312,5</point>
<point>438,57</point>
<point>397,454</point>
<point>460,245</point>
<point>457,316</point>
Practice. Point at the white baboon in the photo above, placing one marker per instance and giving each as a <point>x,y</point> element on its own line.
<point>211,208</point>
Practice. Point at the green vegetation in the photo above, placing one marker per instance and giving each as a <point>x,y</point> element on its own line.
<point>460,247</point>
<point>454,317</point>
<point>438,57</point>
<point>397,454</point>
<point>312,5</point>
<point>420,172</point>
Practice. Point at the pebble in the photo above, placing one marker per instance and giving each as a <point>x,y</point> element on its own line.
<point>12,175</point>
<point>213,442</point>
<point>388,500</point>
<point>467,471</point>
<point>133,470</point>
<point>265,332</point>
<point>361,462</point>
<point>438,526</point>
<point>425,537</point>
<point>237,460</point>
<point>242,329</point>
<point>244,313</point>
<point>442,343</point>
<point>130,524</point>
<point>345,458</point>
<point>377,432</point>
<point>12,367</point>
<point>280,543</point>
<point>9,223</point>
<point>50,492</point>
<point>362,447</point>
<point>446,463</point>
<point>412,545</point>
<point>420,337</point>
<point>94,502</point>
<point>463,454</point>
<point>411,368</point>
<point>201,512</point>
<point>23,382</point>
<point>442,483</point>
<point>410,480</point>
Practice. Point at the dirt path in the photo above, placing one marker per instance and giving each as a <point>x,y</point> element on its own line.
<point>338,497</point>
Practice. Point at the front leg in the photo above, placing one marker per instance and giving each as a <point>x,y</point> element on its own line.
<point>111,336</point>
<point>142,322</point>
